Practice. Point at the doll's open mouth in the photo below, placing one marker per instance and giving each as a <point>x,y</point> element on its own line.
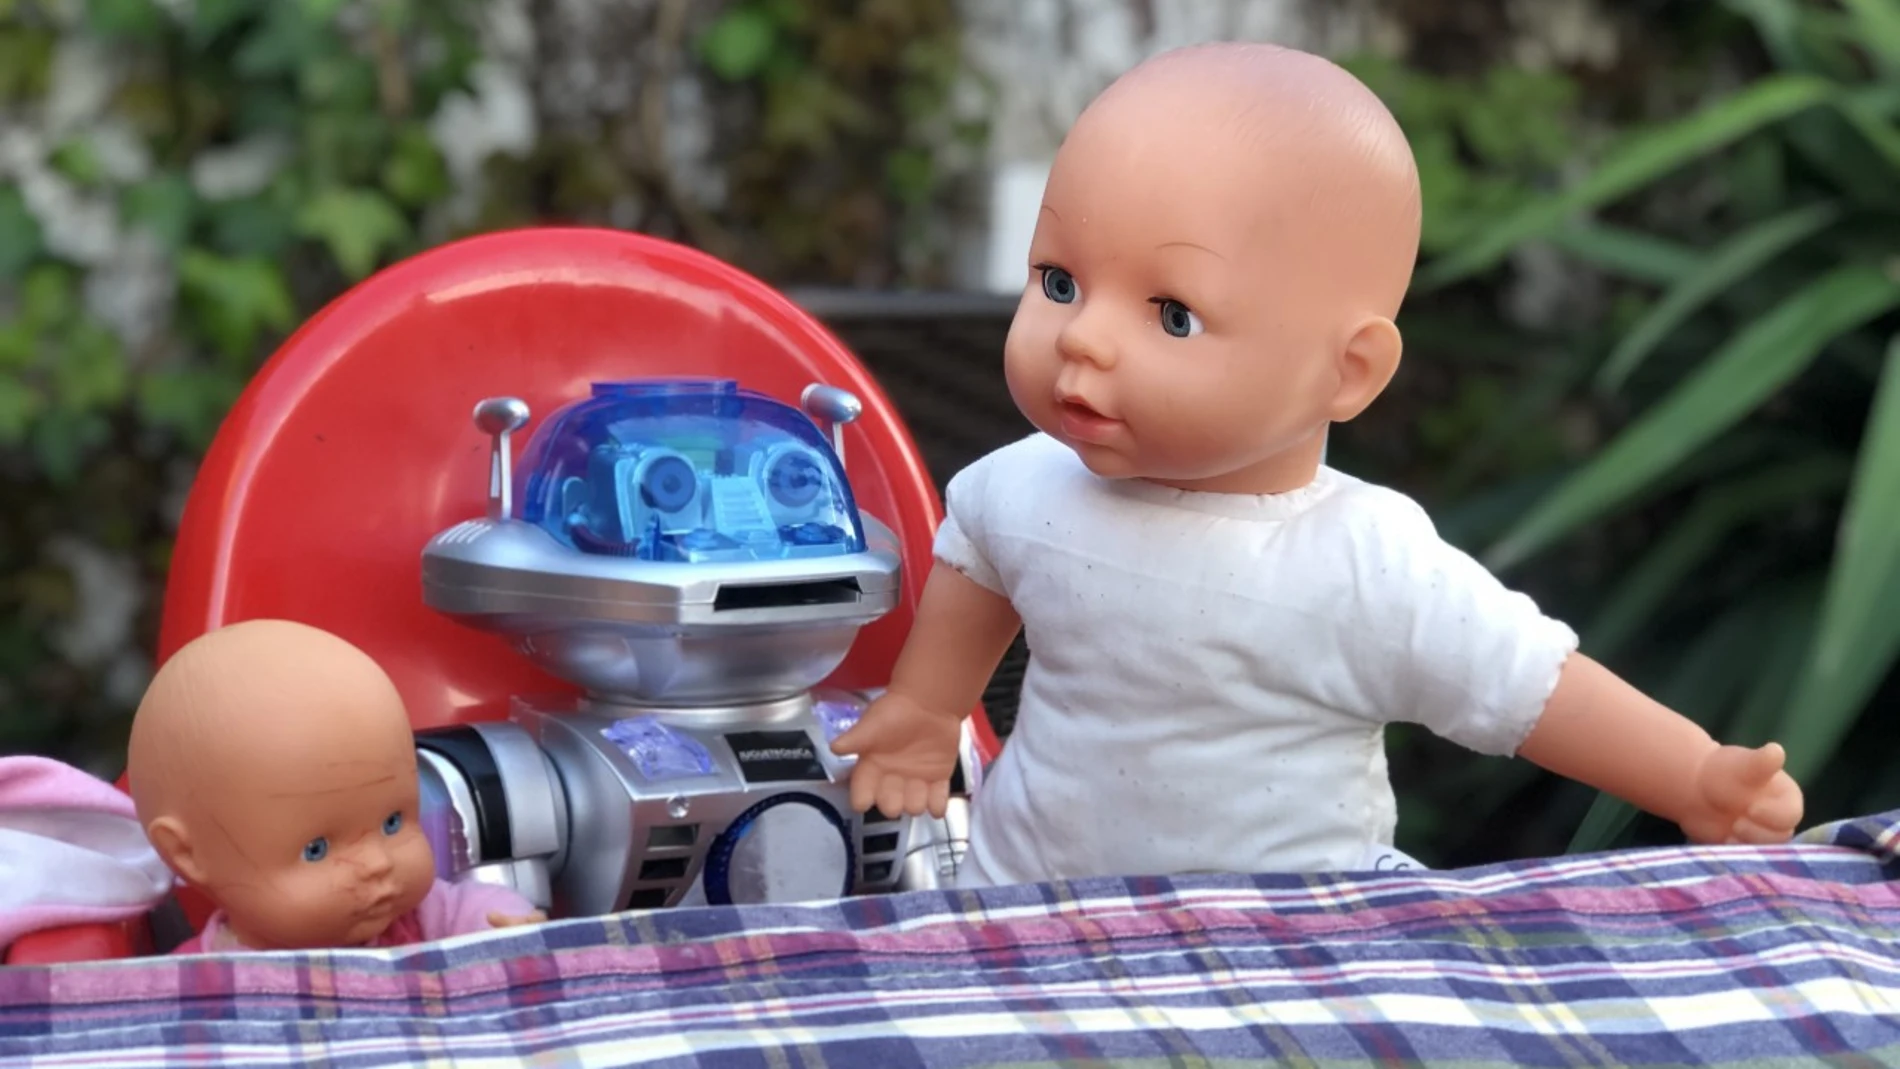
<point>1082,422</point>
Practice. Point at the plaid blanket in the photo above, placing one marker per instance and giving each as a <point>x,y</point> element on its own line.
<point>1729,956</point>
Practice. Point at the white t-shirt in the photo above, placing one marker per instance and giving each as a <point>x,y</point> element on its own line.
<point>1210,674</point>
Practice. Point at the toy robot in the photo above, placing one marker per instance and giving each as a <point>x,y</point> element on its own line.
<point>689,554</point>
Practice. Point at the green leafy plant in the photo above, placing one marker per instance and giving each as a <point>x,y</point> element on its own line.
<point>1484,145</point>
<point>856,146</point>
<point>238,161</point>
<point>186,182</point>
<point>1751,501</point>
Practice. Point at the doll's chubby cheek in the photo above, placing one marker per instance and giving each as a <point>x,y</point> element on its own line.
<point>1030,386</point>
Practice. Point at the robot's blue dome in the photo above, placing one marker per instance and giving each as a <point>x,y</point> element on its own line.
<point>687,470</point>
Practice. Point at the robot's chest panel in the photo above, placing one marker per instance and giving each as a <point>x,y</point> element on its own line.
<point>766,757</point>
<point>666,813</point>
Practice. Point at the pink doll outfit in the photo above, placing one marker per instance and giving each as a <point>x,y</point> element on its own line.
<point>449,909</point>
<point>72,850</point>
<point>1211,674</point>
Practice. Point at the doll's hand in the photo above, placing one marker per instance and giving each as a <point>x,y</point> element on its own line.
<point>1744,797</point>
<point>505,920</point>
<point>905,756</point>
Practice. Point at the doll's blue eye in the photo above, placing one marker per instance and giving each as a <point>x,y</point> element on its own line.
<point>1176,320</point>
<point>392,823</point>
<point>1058,285</point>
<point>316,850</point>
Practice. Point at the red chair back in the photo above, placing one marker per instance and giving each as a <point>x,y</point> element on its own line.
<point>353,445</point>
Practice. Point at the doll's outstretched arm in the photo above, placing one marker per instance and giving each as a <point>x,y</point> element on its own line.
<point>906,741</point>
<point>516,920</point>
<point>1601,731</point>
<point>960,633</point>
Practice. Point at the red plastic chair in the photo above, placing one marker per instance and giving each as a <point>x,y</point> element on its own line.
<point>353,445</point>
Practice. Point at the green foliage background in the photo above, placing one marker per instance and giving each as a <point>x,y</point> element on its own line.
<point>99,426</point>
<point>93,420</point>
<point>1703,473</point>
<point>1690,446</point>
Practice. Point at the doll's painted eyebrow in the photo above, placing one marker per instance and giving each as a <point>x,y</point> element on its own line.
<point>1189,245</point>
<point>1053,212</point>
<point>354,785</point>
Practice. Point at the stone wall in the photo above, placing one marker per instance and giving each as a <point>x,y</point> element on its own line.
<point>612,73</point>
<point>1034,64</point>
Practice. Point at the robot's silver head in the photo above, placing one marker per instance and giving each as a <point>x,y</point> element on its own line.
<point>679,542</point>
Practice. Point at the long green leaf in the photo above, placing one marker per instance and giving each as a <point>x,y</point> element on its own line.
<point>1642,159</point>
<point>1752,366</point>
<point>1534,403</point>
<point>1878,23</point>
<point>1829,145</point>
<point>1872,110</point>
<point>1803,36</point>
<point>1778,24</point>
<point>1862,113</point>
<point>1630,253</point>
<point>1602,826</point>
<point>1881,99</point>
<point>1792,635</point>
<point>1733,260</point>
<point>1859,632</point>
<point>1695,537</point>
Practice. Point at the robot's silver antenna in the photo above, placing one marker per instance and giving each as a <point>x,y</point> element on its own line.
<point>500,417</point>
<point>835,407</point>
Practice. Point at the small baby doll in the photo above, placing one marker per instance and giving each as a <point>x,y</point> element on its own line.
<point>1221,625</point>
<point>273,767</point>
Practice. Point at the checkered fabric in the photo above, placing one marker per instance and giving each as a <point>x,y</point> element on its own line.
<point>1726,956</point>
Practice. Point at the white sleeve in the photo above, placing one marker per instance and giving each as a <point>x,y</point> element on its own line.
<point>1460,653</point>
<point>963,536</point>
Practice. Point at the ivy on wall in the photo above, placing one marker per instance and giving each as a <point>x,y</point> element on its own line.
<point>857,143</point>
<point>182,183</point>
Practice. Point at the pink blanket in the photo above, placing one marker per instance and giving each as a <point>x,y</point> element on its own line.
<point>71,850</point>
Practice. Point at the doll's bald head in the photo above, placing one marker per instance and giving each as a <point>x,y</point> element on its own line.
<point>233,703</point>
<point>1303,134</point>
<point>1226,237</point>
<point>273,766</point>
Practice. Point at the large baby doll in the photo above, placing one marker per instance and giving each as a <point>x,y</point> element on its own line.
<point>1220,625</point>
<point>274,769</point>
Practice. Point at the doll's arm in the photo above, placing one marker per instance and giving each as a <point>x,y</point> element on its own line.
<point>1603,732</point>
<point>470,906</point>
<point>906,742</point>
<point>959,636</point>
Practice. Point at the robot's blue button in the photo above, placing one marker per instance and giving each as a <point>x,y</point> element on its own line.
<point>836,717</point>
<point>701,538</point>
<point>811,534</point>
<point>658,751</point>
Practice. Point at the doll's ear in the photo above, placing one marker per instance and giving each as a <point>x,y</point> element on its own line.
<point>1366,365</point>
<point>173,842</point>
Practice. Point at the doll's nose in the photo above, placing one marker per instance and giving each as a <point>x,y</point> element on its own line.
<point>1087,338</point>
<point>374,862</point>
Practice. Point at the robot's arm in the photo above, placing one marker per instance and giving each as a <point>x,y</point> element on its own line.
<point>494,807</point>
